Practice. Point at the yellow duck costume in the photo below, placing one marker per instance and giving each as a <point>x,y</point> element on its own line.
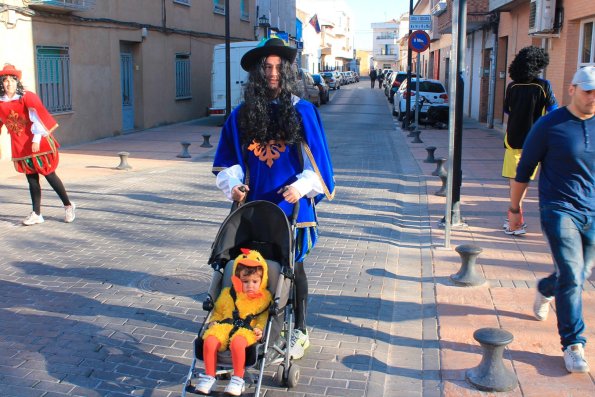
<point>255,305</point>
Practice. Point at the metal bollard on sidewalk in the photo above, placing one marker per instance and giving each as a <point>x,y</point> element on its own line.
<point>184,154</point>
<point>416,138</point>
<point>491,374</point>
<point>430,158</point>
<point>442,191</point>
<point>467,276</point>
<point>123,161</point>
<point>206,142</point>
<point>440,167</point>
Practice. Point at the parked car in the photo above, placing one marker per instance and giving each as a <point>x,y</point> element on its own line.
<point>346,78</point>
<point>356,76</point>
<point>310,90</point>
<point>333,80</point>
<point>395,81</point>
<point>323,88</point>
<point>430,91</point>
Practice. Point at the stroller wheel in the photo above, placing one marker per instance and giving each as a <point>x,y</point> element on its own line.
<point>281,376</point>
<point>293,376</point>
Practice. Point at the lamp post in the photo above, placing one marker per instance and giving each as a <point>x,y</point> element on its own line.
<point>263,22</point>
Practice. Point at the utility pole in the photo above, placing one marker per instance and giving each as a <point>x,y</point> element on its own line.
<point>457,87</point>
<point>227,63</point>
<point>409,61</point>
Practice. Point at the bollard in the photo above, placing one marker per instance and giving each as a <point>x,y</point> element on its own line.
<point>123,161</point>
<point>440,167</point>
<point>467,276</point>
<point>411,128</point>
<point>416,137</point>
<point>491,374</point>
<point>430,158</point>
<point>442,191</point>
<point>206,142</point>
<point>185,154</point>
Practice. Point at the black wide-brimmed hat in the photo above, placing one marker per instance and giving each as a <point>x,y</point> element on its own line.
<point>265,48</point>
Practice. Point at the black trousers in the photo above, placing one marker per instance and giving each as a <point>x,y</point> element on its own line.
<point>35,190</point>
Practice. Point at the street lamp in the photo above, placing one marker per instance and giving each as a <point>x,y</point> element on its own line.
<point>263,22</point>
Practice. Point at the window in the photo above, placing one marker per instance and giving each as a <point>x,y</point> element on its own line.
<point>244,14</point>
<point>184,2</point>
<point>53,76</point>
<point>219,6</point>
<point>586,48</point>
<point>183,86</point>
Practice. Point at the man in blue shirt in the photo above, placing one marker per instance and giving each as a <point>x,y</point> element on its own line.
<point>563,142</point>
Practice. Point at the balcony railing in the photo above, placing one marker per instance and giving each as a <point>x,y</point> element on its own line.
<point>62,5</point>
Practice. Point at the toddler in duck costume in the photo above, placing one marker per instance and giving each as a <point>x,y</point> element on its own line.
<point>238,320</point>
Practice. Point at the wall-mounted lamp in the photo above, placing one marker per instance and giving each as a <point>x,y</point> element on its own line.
<point>144,32</point>
<point>263,22</point>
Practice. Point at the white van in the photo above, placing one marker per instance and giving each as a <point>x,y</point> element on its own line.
<point>238,76</point>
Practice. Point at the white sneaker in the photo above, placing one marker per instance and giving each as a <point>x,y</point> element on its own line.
<point>517,232</point>
<point>298,344</point>
<point>574,358</point>
<point>69,214</point>
<point>505,224</point>
<point>235,387</point>
<point>33,219</point>
<point>205,384</point>
<point>541,306</point>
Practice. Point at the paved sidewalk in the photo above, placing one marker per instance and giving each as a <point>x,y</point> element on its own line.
<point>109,305</point>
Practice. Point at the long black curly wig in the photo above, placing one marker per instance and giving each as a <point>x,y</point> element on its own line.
<point>20,88</point>
<point>257,119</point>
<point>528,64</point>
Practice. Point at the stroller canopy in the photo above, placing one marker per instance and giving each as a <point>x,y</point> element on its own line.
<point>259,225</point>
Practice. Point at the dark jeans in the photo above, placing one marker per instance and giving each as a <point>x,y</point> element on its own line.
<point>571,237</point>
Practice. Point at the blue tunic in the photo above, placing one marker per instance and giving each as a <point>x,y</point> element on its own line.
<point>276,164</point>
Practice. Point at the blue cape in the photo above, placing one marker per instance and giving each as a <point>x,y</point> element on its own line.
<point>229,153</point>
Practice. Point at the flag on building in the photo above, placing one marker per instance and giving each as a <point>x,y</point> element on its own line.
<point>314,23</point>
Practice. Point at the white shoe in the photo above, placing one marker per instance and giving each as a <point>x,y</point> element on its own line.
<point>235,387</point>
<point>205,384</point>
<point>33,219</point>
<point>574,358</point>
<point>505,224</point>
<point>298,344</point>
<point>541,306</point>
<point>517,232</point>
<point>69,214</point>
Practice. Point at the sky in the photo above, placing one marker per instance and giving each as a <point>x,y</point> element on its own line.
<point>366,12</point>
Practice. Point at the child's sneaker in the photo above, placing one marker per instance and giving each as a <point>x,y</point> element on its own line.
<point>205,384</point>
<point>235,387</point>
<point>69,214</point>
<point>298,344</point>
<point>33,219</point>
<point>574,358</point>
<point>541,306</point>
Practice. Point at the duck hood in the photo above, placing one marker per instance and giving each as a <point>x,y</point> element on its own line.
<point>250,258</point>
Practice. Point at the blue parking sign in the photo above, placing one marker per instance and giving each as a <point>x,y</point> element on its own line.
<point>419,41</point>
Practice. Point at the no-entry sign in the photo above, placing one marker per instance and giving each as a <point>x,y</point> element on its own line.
<point>419,41</point>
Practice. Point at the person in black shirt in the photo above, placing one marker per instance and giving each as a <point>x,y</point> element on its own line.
<point>528,97</point>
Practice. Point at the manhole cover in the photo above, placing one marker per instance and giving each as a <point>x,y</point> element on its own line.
<point>184,284</point>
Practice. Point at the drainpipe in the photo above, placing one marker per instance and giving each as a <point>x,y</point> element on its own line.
<point>494,19</point>
<point>163,16</point>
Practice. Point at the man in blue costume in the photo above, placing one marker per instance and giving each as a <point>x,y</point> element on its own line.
<point>562,141</point>
<point>273,147</point>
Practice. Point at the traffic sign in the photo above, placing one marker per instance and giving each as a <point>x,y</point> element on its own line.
<point>419,41</point>
<point>420,22</point>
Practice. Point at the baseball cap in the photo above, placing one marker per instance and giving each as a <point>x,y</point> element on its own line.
<point>585,78</point>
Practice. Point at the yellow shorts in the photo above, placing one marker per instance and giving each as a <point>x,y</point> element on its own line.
<point>511,160</point>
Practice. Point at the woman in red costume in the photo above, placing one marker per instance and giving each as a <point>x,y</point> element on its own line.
<point>34,148</point>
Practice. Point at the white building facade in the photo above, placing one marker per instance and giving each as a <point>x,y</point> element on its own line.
<point>385,45</point>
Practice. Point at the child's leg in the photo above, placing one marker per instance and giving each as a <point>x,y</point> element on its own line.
<point>238,355</point>
<point>209,352</point>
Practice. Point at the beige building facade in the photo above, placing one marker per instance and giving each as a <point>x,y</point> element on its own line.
<point>107,67</point>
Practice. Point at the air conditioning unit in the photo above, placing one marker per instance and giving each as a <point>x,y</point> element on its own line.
<point>542,15</point>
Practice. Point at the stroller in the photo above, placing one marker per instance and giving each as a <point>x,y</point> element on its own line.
<point>262,226</point>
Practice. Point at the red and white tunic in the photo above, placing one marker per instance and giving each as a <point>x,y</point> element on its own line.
<point>28,121</point>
